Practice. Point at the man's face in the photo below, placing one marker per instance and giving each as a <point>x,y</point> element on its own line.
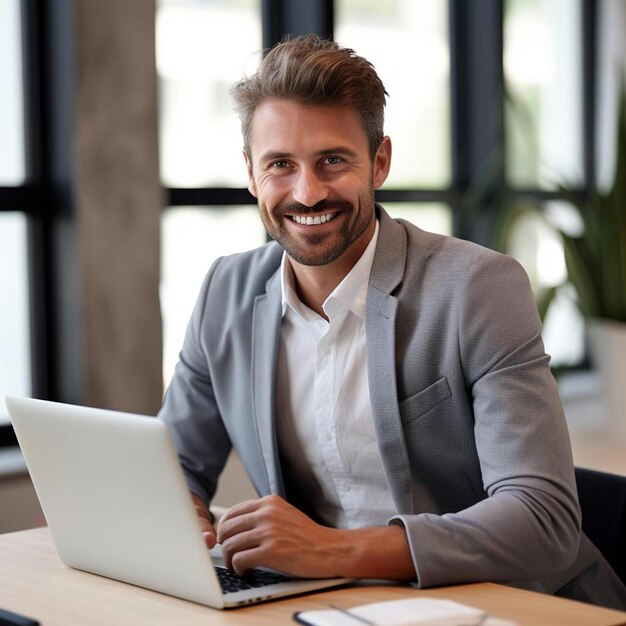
<point>312,174</point>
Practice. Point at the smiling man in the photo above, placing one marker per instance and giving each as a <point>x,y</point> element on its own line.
<point>386,388</point>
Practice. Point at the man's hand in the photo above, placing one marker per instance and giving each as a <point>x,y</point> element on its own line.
<point>208,532</point>
<point>270,532</point>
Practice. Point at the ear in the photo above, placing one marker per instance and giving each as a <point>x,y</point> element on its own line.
<point>382,162</point>
<point>251,183</point>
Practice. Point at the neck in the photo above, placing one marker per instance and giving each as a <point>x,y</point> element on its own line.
<point>314,283</point>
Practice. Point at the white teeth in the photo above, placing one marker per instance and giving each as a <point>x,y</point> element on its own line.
<point>318,219</point>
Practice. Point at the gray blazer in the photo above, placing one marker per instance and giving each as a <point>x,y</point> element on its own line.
<point>468,419</point>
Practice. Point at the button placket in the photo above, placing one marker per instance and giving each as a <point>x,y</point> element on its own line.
<point>326,394</point>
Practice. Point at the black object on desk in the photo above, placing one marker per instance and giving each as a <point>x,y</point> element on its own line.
<point>8,618</point>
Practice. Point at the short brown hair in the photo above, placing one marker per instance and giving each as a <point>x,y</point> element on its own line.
<point>315,71</point>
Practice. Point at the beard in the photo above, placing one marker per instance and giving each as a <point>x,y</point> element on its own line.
<point>314,249</point>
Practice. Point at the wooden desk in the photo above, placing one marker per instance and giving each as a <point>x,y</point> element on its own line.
<point>34,582</point>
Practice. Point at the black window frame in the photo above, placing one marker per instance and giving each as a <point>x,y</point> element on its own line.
<point>45,198</point>
<point>476,105</point>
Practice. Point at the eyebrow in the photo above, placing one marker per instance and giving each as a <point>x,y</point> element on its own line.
<point>338,150</point>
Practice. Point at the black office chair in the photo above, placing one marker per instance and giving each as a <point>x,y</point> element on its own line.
<point>603,504</point>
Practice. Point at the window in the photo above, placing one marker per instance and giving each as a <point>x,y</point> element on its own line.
<point>431,57</point>
<point>412,45</point>
<point>15,367</point>
<point>544,150</point>
<point>201,143</point>
<point>191,239</point>
<point>197,61</point>
<point>12,163</point>
<point>15,364</point>
<point>544,145</point>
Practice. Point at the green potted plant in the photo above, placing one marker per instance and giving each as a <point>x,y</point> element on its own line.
<point>596,267</point>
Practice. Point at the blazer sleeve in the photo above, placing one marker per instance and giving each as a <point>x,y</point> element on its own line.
<point>528,526</point>
<point>190,409</point>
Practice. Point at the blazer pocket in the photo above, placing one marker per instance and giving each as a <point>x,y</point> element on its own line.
<point>417,405</point>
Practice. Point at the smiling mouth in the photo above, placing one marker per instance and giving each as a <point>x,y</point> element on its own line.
<point>310,220</point>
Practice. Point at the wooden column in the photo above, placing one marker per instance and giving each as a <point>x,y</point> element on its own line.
<point>118,202</point>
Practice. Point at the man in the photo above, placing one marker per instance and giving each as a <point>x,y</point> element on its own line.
<point>385,388</point>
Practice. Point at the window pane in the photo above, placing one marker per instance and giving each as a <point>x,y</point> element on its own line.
<point>11,103</point>
<point>203,47</point>
<point>542,65</point>
<point>435,217</point>
<point>539,248</point>
<point>407,42</point>
<point>15,370</point>
<point>191,239</point>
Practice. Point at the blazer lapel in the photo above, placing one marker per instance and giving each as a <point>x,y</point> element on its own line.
<point>266,320</point>
<point>380,317</point>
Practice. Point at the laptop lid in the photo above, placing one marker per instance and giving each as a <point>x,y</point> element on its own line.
<point>117,504</point>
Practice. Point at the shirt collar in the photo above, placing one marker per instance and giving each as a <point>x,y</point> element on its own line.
<point>350,293</point>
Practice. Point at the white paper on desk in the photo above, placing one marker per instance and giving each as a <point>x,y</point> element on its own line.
<point>407,612</point>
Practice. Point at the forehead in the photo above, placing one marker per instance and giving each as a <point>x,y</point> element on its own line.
<point>291,127</point>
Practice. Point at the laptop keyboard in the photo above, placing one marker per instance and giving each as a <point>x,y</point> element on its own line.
<point>231,582</point>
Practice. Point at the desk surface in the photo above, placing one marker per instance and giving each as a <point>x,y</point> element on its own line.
<point>34,582</point>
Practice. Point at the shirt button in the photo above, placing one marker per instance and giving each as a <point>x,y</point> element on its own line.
<point>326,436</point>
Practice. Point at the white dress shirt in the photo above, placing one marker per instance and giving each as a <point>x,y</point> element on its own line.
<point>323,414</point>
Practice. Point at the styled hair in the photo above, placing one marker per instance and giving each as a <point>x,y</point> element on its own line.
<point>310,70</point>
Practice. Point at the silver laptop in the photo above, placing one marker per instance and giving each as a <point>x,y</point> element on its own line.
<point>117,505</point>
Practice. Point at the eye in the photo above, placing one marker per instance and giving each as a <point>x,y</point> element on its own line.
<point>280,164</point>
<point>333,160</point>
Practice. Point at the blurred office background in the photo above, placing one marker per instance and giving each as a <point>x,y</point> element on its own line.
<point>121,175</point>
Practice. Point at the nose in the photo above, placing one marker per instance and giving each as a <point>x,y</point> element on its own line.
<point>308,188</point>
